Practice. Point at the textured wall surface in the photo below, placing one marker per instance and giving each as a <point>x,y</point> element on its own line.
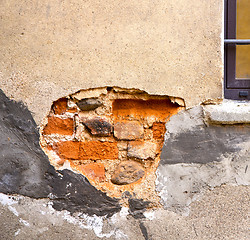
<point>38,202</point>
<point>50,49</point>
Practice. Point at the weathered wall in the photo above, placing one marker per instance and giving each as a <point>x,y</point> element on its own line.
<point>68,206</point>
<point>49,49</point>
<point>52,49</point>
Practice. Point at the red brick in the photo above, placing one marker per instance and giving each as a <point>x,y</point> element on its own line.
<point>59,126</point>
<point>128,130</point>
<point>161,109</point>
<point>159,130</point>
<point>95,150</point>
<point>68,150</point>
<point>60,106</point>
<point>93,171</point>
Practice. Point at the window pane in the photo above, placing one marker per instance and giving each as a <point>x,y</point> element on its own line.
<point>243,19</point>
<point>243,61</point>
<point>243,32</point>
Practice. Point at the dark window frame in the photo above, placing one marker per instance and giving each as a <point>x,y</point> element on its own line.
<point>234,88</point>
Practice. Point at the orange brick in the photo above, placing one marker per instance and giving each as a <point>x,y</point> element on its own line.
<point>60,106</point>
<point>68,150</point>
<point>158,130</point>
<point>59,126</point>
<point>93,171</point>
<point>161,109</point>
<point>95,150</point>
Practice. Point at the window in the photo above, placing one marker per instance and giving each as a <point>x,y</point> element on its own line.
<point>237,49</point>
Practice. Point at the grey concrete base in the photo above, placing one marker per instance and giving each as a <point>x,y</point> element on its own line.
<point>198,156</point>
<point>219,214</point>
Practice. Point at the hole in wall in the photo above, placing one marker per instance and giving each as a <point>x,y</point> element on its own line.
<point>113,136</point>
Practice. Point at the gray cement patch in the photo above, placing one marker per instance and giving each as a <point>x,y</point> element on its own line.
<point>220,214</point>
<point>189,140</point>
<point>25,168</point>
<point>197,157</point>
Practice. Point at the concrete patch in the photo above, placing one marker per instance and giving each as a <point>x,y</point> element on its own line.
<point>219,214</point>
<point>190,140</point>
<point>197,157</point>
<point>25,168</point>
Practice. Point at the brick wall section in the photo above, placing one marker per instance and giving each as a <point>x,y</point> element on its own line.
<point>114,139</point>
<point>59,126</point>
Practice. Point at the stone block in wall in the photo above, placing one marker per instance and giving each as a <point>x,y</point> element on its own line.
<point>98,126</point>
<point>128,130</point>
<point>60,126</point>
<point>89,104</point>
<point>96,150</point>
<point>127,172</point>
<point>142,150</point>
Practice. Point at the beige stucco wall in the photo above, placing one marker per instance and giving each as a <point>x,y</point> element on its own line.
<point>50,48</point>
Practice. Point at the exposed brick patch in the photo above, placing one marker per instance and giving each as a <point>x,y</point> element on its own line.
<point>128,130</point>
<point>96,150</point>
<point>93,171</point>
<point>60,126</point>
<point>158,130</point>
<point>98,126</point>
<point>114,138</point>
<point>127,172</point>
<point>60,106</point>
<point>68,150</point>
<point>142,150</point>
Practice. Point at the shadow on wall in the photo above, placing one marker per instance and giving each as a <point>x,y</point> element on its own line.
<point>25,168</point>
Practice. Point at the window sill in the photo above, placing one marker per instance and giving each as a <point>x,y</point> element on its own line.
<point>228,112</point>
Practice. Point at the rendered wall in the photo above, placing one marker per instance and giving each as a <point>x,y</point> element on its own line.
<point>50,49</point>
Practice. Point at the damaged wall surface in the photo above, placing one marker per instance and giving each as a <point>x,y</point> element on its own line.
<point>112,124</point>
<point>36,192</point>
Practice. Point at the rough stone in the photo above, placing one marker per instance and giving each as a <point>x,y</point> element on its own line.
<point>89,104</point>
<point>142,150</point>
<point>60,126</point>
<point>128,130</point>
<point>96,150</point>
<point>60,106</point>
<point>127,172</point>
<point>93,171</point>
<point>69,150</point>
<point>98,126</point>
